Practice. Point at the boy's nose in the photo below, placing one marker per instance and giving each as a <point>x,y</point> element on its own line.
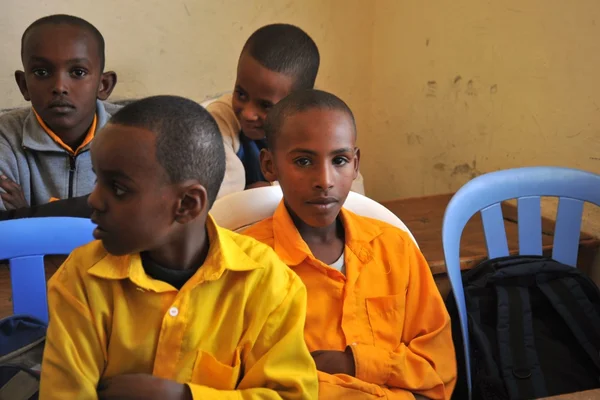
<point>249,113</point>
<point>324,178</point>
<point>60,86</point>
<point>94,200</point>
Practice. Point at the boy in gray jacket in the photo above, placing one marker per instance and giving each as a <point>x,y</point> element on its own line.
<point>44,150</point>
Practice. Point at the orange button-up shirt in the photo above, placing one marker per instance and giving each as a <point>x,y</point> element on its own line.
<point>387,308</point>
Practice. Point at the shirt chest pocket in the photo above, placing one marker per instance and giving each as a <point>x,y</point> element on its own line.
<point>210,372</point>
<point>386,320</point>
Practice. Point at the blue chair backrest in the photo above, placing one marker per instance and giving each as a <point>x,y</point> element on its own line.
<point>25,242</point>
<point>485,193</point>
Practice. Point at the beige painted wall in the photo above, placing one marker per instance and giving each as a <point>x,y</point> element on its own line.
<point>442,90</point>
<point>190,48</point>
<point>465,87</point>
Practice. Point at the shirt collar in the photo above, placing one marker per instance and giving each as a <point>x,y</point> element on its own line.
<point>39,137</point>
<point>224,254</point>
<point>88,137</point>
<point>293,250</point>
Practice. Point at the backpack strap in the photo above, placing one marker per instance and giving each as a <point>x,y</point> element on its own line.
<point>519,363</point>
<point>22,386</point>
<point>573,305</point>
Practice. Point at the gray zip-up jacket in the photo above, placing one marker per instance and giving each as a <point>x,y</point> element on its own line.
<point>43,169</point>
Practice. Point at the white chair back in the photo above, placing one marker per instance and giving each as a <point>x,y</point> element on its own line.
<point>240,210</point>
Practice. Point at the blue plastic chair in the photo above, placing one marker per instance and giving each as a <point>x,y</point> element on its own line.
<point>485,194</point>
<point>25,242</point>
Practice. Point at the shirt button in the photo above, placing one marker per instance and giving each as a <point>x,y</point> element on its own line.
<point>173,311</point>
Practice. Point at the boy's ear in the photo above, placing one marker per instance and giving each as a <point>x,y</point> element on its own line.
<point>108,81</point>
<point>267,165</point>
<point>22,83</point>
<point>192,203</point>
<point>356,161</point>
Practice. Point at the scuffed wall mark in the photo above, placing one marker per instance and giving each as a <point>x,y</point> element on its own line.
<point>431,89</point>
<point>471,91</point>
<point>187,10</point>
<point>513,10</point>
<point>575,135</point>
<point>597,108</point>
<point>457,79</point>
<point>427,42</point>
<point>414,139</point>
<point>466,169</point>
<point>494,89</point>
<point>540,131</point>
<point>461,169</point>
<point>440,166</point>
<point>481,128</point>
<point>595,158</point>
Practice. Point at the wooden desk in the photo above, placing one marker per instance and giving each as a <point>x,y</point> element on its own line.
<point>424,217</point>
<point>587,395</point>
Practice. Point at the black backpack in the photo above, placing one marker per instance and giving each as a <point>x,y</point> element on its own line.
<point>22,340</point>
<point>534,329</point>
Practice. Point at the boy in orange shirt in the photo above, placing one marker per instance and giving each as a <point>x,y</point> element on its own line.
<point>376,324</point>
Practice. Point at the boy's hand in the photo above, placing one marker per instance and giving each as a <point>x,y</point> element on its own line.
<point>142,386</point>
<point>335,362</point>
<point>14,197</point>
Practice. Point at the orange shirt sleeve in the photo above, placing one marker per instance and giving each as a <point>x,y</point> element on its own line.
<point>424,363</point>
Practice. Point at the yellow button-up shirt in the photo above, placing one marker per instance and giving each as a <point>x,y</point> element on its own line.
<point>387,308</point>
<point>235,330</point>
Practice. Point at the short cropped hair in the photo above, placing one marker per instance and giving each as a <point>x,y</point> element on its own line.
<point>64,19</point>
<point>286,49</point>
<point>298,102</point>
<point>188,142</point>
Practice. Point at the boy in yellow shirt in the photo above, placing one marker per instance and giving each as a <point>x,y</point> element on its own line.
<point>376,324</point>
<point>166,304</point>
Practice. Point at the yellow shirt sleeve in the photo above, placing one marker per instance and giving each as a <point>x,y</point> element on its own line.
<point>73,357</point>
<point>279,358</point>
<point>424,363</point>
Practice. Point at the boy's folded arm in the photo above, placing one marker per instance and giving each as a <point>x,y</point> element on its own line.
<point>279,365</point>
<point>8,165</point>
<point>424,363</point>
<point>73,357</point>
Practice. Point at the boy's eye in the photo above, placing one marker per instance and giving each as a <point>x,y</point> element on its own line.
<point>339,161</point>
<point>302,162</point>
<point>240,95</point>
<point>41,72</point>
<point>119,190</point>
<point>79,73</point>
<point>266,105</point>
